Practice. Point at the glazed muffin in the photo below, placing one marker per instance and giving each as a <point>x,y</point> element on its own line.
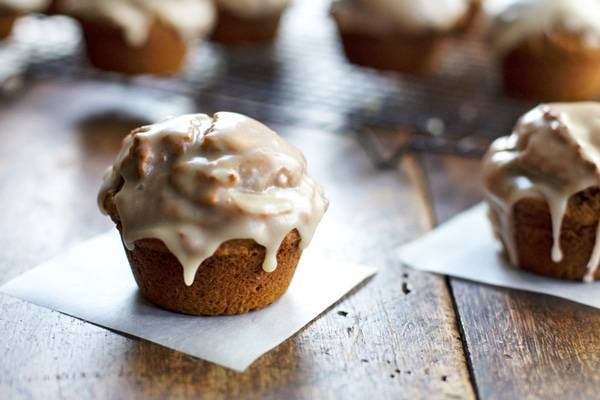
<point>549,50</point>
<point>543,189</point>
<point>11,9</point>
<point>401,35</point>
<point>248,21</point>
<point>141,36</point>
<point>214,212</point>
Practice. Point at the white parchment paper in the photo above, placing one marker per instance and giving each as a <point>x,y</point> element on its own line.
<point>93,282</point>
<point>464,247</point>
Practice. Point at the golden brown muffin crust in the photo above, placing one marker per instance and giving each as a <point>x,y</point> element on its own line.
<point>232,281</point>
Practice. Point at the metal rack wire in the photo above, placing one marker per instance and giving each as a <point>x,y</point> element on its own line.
<point>303,79</point>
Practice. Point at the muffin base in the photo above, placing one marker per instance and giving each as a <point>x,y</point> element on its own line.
<point>231,281</point>
<point>557,68</point>
<point>533,233</point>
<point>163,53</point>
<point>232,30</point>
<point>409,54</point>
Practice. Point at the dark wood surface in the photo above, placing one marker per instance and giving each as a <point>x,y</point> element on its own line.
<point>402,334</point>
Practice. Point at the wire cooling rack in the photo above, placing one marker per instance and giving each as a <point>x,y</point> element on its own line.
<point>304,79</point>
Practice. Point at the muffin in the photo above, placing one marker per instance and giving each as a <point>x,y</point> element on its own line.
<point>140,36</point>
<point>247,21</point>
<point>400,35</point>
<point>11,9</point>
<point>543,189</point>
<point>214,212</point>
<point>549,50</point>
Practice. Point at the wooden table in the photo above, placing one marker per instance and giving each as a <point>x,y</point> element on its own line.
<point>402,334</point>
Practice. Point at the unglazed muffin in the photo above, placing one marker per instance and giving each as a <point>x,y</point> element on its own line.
<point>214,212</point>
<point>248,21</point>
<point>141,36</point>
<point>543,189</point>
<point>11,9</point>
<point>549,49</point>
<point>400,35</point>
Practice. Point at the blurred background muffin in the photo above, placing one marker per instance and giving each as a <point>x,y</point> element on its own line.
<point>248,21</point>
<point>401,35</point>
<point>549,49</point>
<point>141,36</point>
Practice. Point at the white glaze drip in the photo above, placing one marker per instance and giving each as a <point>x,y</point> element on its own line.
<point>192,19</point>
<point>553,153</point>
<point>557,207</point>
<point>501,213</point>
<point>195,182</point>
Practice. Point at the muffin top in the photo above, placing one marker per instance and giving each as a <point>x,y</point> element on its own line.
<point>197,181</point>
<point>409,16</point>
<point>523,19</point>
<point>24,5</point>
<point>553,153</point>
<point>192,19</point>
<point>253,8</point>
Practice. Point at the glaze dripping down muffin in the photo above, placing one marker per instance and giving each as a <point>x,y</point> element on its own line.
<point>198,184</point>
<point>543,188</point>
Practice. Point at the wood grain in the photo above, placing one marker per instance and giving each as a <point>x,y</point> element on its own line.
<point>521,345</point>
<point>395,337</point>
